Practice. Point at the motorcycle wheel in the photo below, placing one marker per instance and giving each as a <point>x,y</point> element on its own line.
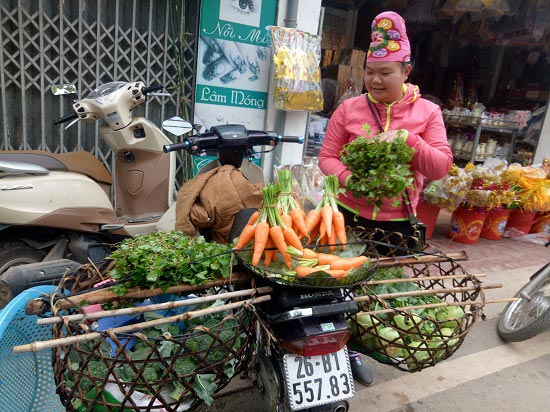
<point>530,314</point>
<point>13,253</point>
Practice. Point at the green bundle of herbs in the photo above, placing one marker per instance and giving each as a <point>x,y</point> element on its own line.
<point>380,169</point>
<point>161,260</point>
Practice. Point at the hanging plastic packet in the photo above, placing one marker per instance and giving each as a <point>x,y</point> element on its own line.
<point>297,76</point>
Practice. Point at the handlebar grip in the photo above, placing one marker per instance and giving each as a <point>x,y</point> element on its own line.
<point>151,89</point>
<point>167,148</point>
<point>66,118</point>
<point>292,139</point>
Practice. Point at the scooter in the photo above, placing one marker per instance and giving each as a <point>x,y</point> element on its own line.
<point>529,315</point>
<point>55,207</point>
<point>301,361</point>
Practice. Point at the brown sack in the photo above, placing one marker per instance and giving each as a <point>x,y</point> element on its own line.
<point>212,199</point>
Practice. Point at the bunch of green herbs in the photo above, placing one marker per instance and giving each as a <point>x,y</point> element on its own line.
<point>164,259</point>
<point>380,169</point>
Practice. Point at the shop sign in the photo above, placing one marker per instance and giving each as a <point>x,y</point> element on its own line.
<point>234,58</point>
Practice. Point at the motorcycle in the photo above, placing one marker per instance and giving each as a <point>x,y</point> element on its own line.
<point>55,208</point>
<point>529,315</point>
<point>301,360</point>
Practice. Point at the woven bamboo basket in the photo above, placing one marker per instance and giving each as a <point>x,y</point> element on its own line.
<point>411,339</point>
<point>173,367</point>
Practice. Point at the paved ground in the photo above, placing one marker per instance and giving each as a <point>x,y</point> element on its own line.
<point>484,375</point>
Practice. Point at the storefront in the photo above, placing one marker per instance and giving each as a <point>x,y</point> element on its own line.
<point>485,62</point>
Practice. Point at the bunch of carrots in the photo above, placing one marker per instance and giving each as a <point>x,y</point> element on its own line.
<point>310,262</point>
<point>326,222</point>
<point>268,231</point>
<point>281,226</point>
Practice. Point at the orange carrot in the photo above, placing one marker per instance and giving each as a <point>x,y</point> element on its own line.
<point>309,254</point>
<point>287,220</point>
<point>253,217</point>
<point>331,239</point>
<point>260,239</point>
<point>268,253</point>
<point>304,271</point>
<point>299,232</point>
<point>321,241</point>
<point>348,263</point>
<point>246,236</point>
<point>312,219</point>
<point>326,258</point>
<point>278,238</point>
<point>322,233</point>
<point>337,273</point>
<point>326,214</point>
<point>298,220</point>
<point>292,238</point>
<point>314,233</point>
<point>340,228</point>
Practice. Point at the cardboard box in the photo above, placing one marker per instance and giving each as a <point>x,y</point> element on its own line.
<point>344,73</point>
<point>333,40</point>
<point>357,74</point>
<point>358,58</point>
<point>353,58</point>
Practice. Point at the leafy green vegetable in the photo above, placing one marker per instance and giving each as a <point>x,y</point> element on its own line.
<point>450,314</point>
<point>178,390</point>
<point>199,341</point>
<point>161,260</point>
<point>185,366</point>
<point>205,386</point>
<point>391,340</point>
<point>379,169</point>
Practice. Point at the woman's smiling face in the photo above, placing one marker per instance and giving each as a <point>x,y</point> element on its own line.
<point>384,80</point>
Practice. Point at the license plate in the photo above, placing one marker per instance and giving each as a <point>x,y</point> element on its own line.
<point>318,380</point>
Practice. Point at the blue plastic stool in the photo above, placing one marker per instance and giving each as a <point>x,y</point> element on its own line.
<point>26,380</point>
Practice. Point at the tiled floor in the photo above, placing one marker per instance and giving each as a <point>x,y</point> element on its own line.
<point>489,255</point>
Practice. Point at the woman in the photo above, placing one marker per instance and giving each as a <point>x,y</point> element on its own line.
<point>389,105</point>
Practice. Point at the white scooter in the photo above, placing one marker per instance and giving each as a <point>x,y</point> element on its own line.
<point>55,206</point>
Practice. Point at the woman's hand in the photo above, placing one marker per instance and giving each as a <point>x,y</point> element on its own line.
<point>391,135</point>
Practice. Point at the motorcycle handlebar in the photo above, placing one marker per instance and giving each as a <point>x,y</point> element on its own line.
<point>167,148</point>
<point>66,118</point>
<point>292,139</point>
<point>151,89</point>
<point>217,141</point>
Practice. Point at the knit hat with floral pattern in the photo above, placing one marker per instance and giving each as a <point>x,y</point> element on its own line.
<point>389,39</point>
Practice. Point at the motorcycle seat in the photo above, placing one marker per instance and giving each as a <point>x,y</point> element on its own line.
<point>78,162</point>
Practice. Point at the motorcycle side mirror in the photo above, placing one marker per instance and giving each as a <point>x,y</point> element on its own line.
<point>59,89</point>
<point>177,126</point>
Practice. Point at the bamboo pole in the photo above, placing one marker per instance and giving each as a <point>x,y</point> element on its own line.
<point>107,296</point>
<point>397,261</point>
<point>52,343</point>
<point>439,305</point>
<point>149,308</point>
<point>369,298</point>
<point>420,279</point>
